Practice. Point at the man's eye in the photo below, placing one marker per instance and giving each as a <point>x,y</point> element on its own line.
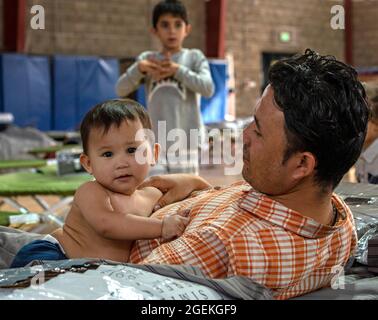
<point>178,25</point>
<point>131,150</point>
<point>107,154</point>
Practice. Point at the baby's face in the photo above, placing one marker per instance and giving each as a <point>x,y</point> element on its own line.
<point>117,160</point>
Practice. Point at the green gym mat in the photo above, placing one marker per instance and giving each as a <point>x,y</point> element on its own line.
<point>21,164</point>
<point>44,182</point>
<point>4,217</point>
<point>53,148</point>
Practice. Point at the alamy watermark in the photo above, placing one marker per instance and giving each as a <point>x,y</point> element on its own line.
<point>215,147</point>
<point>37,22</point>
<point>338,279</point>
<point>338,18</point>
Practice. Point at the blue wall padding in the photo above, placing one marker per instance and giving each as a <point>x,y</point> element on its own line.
<point>26,90</point>
<point>140,96</point>
<point>213,109</point>
<point>65,93</point>
<point>81,83</point>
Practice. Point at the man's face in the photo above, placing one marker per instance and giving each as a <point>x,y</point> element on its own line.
<point>171,31</point>
<point>264,147</point>
<point>112,157</point>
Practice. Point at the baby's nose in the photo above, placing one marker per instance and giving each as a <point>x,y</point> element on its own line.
<point>123,162</point>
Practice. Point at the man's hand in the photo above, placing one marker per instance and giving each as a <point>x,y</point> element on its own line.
<point>174,225</point>
<point>175,187</point>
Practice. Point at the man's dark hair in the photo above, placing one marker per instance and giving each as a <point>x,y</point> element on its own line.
<point>325,112</point>
<point>112,112</point>
<point>173,7</point>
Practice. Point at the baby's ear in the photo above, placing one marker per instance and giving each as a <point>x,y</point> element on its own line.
<point>86,163</point>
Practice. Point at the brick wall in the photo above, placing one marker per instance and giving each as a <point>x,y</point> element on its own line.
<point>252,29</point>
<point>118,28</point>
<point>365,33</point>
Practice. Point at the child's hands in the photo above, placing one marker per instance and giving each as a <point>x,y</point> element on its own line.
<point>158,69</point>
<point>169,68</point>
<point>173,226</point>
<point>151,67</point>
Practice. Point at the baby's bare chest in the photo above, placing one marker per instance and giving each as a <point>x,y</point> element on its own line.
<point>131,204</point>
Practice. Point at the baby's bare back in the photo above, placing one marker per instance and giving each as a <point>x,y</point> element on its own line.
<point>79,240</point>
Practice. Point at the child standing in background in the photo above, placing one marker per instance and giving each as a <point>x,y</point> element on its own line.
<point>174,79</point>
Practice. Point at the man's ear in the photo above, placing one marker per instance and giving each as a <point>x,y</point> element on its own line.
<point>304,164</point>
<point>156,152</point>
<point>86,163</point>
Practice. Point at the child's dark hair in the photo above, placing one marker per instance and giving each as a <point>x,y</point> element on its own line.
<point>112,112</point>
<point>174,7</point>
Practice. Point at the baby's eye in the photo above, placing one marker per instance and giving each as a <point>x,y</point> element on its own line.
<point>131,150</point>
<point>107,154</point>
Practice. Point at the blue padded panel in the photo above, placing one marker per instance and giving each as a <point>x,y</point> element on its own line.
<point>97,79</point>
<point>213,109</point>
<point>27,89</point>
<point>65,93</point>
<point>80,83</point>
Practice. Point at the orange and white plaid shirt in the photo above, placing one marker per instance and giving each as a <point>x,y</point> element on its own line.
<point>239,231</point>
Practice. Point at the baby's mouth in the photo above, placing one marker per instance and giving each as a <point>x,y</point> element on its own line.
<point>124,177</point>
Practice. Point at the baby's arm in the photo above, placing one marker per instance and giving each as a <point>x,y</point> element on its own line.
<point>175,187</point>
<point>96,208</point>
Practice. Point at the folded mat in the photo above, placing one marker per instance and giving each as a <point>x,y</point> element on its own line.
<point>43,182</point>
<point>104,279</point>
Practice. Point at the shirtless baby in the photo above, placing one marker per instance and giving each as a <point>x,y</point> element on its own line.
<point>109,213</point>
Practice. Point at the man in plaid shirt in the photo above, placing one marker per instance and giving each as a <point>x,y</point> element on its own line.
<point>283,227</point>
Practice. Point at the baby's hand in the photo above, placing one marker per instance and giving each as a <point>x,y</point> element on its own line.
<point>173,226</point>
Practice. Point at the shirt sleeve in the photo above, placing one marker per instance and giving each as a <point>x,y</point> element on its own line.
<point>131,79</point>
<point>202,249</point>
<point>199,79</point>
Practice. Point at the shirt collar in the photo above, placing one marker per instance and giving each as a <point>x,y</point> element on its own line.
<point>276,213</point>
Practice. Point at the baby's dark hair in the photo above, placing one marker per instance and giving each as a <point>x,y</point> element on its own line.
<point>174,7</point>
<point>112,112</point>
